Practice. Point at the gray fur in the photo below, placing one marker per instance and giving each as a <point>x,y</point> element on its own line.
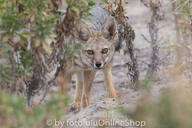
<point>98,18</point>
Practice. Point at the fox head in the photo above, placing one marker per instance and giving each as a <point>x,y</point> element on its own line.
<point>98,47</point>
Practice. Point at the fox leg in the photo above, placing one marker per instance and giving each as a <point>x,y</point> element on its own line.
<point>63,80</point>
<point>109,81</point>
<point>88,79</point>
<point>78,94</point>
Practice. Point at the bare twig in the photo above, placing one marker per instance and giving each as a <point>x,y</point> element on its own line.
<point>157,15</point>
<point>127,34</point>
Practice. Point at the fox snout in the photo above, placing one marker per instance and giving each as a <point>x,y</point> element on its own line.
<point>98,60</point>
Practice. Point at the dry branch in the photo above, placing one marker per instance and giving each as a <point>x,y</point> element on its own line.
<point>127,34</point>
<point>157,15</point>
<point>53,62</point>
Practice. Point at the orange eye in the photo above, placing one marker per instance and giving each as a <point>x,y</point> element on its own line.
<point>104,51</point>
<point>90,52</point>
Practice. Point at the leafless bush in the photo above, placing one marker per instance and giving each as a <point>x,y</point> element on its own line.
<point>157,15</point>
<point>127,34</point>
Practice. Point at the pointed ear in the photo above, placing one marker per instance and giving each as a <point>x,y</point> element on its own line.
<point>109,29</point>
<point>82,32</point>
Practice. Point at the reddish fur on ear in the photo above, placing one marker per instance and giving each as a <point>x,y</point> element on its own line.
<point>109,29</point>
<point>112,30</point>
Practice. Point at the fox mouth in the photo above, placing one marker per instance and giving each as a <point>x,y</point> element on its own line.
<point>97,68</point>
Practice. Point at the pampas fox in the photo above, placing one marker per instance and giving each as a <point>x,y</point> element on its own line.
<point>98,41</point>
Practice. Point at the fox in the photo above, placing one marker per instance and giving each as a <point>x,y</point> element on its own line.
<point>98,39</point>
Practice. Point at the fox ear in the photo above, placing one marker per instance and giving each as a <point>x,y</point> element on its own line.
<point>82,33</point>
<point>109,29</point>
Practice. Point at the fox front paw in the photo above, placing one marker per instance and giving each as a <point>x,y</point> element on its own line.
<point>75,106</point>
<point>113,95</point>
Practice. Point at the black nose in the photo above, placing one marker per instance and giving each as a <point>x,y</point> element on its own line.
<point>98,64</point>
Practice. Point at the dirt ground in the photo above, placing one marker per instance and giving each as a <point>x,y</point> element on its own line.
<point>102,107</point>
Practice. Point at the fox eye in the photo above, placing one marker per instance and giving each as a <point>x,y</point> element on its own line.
<point>104,51</point>
<point>90,52</point>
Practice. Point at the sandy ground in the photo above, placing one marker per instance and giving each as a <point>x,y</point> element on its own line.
<point>102,107</point>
